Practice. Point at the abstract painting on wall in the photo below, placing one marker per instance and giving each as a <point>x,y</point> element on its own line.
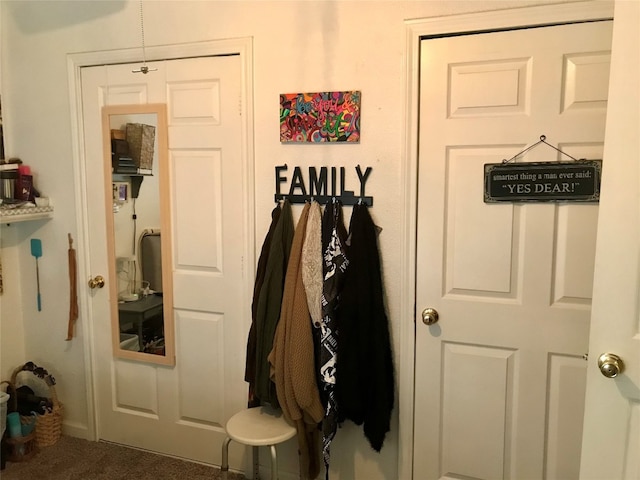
<point>320,117</point>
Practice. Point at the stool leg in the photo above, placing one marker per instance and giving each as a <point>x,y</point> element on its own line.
<point>256,462</point>
<point>224,468</point>
<point>274,463</point>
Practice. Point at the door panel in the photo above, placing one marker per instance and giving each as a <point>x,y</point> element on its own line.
<point>182,410</point>
<point>474,433</point>
<point>494,87</point>
<point>511,281</point>
<point>468,273</point>
<point>565,410</point>
<point>201,341</point>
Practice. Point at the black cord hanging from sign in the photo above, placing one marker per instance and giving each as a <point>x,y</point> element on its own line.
<point>543,139</point>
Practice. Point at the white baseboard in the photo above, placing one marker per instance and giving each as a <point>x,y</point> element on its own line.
<point>76,430</point>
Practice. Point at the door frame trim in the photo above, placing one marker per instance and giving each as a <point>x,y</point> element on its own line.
<point>415,32</point>
<point>75,62</point>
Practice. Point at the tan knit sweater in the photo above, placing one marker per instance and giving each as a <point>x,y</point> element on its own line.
<point>312,276</point>
<point>292,360</point>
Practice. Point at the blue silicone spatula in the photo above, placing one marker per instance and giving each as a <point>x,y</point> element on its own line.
<point>36,251</point>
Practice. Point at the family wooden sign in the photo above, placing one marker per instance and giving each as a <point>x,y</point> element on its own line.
<point>577,181</point>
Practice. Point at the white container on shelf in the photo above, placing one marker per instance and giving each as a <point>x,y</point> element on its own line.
<point>129,341</point>
<point>4,398</point>
<point>42,201</point>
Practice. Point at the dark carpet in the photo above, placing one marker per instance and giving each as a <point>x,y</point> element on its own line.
<point>77,459</point>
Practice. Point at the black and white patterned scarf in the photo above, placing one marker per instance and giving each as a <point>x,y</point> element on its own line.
<point>335,263</point>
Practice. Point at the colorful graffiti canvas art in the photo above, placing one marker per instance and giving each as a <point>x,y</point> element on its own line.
<point>320,117</point>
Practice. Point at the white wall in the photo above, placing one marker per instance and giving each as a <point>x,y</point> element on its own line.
<point>299,46</point>
<point>12,350</point>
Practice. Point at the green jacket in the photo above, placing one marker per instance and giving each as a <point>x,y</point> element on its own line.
<point>270,301</point>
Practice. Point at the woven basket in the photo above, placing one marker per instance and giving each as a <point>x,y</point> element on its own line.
<point>20,449</point>
<point>49,424</point>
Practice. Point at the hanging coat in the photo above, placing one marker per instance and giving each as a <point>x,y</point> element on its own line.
<point>270,301</point>
<point>250,367</point>
<point>365,388</point>
<point>293,363</point>
<point>335,265</point>
<point>312,275</point>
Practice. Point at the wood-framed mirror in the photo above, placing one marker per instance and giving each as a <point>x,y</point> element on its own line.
<point>139,232</point>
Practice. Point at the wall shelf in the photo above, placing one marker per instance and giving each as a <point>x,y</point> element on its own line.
<point>24,214</point>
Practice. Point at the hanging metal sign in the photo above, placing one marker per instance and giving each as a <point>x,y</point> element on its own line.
<point>577,181</point>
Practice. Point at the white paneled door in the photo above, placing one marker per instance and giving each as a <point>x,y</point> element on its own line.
<point>179,410</point>
<point>500,378</point>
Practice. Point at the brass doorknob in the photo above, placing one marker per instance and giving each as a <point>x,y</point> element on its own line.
<point>610,365</point>
<point>430,316</point>
<point>96,282</point>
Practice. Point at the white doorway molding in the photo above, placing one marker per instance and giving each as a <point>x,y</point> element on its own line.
<point>415,31</point>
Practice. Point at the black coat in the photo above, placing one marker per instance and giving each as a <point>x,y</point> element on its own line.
<point>365,383</point>
<point>252,341</point>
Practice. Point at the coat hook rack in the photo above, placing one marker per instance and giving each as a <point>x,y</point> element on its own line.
<point>324,199</point>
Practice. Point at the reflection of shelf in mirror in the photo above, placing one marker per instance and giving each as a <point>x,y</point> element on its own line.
<point>23,214</point>
<point>145,172</point>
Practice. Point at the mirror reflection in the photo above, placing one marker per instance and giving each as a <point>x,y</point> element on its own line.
<point>139,292</point>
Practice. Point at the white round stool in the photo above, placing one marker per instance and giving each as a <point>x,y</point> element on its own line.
<point>257,427</point>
